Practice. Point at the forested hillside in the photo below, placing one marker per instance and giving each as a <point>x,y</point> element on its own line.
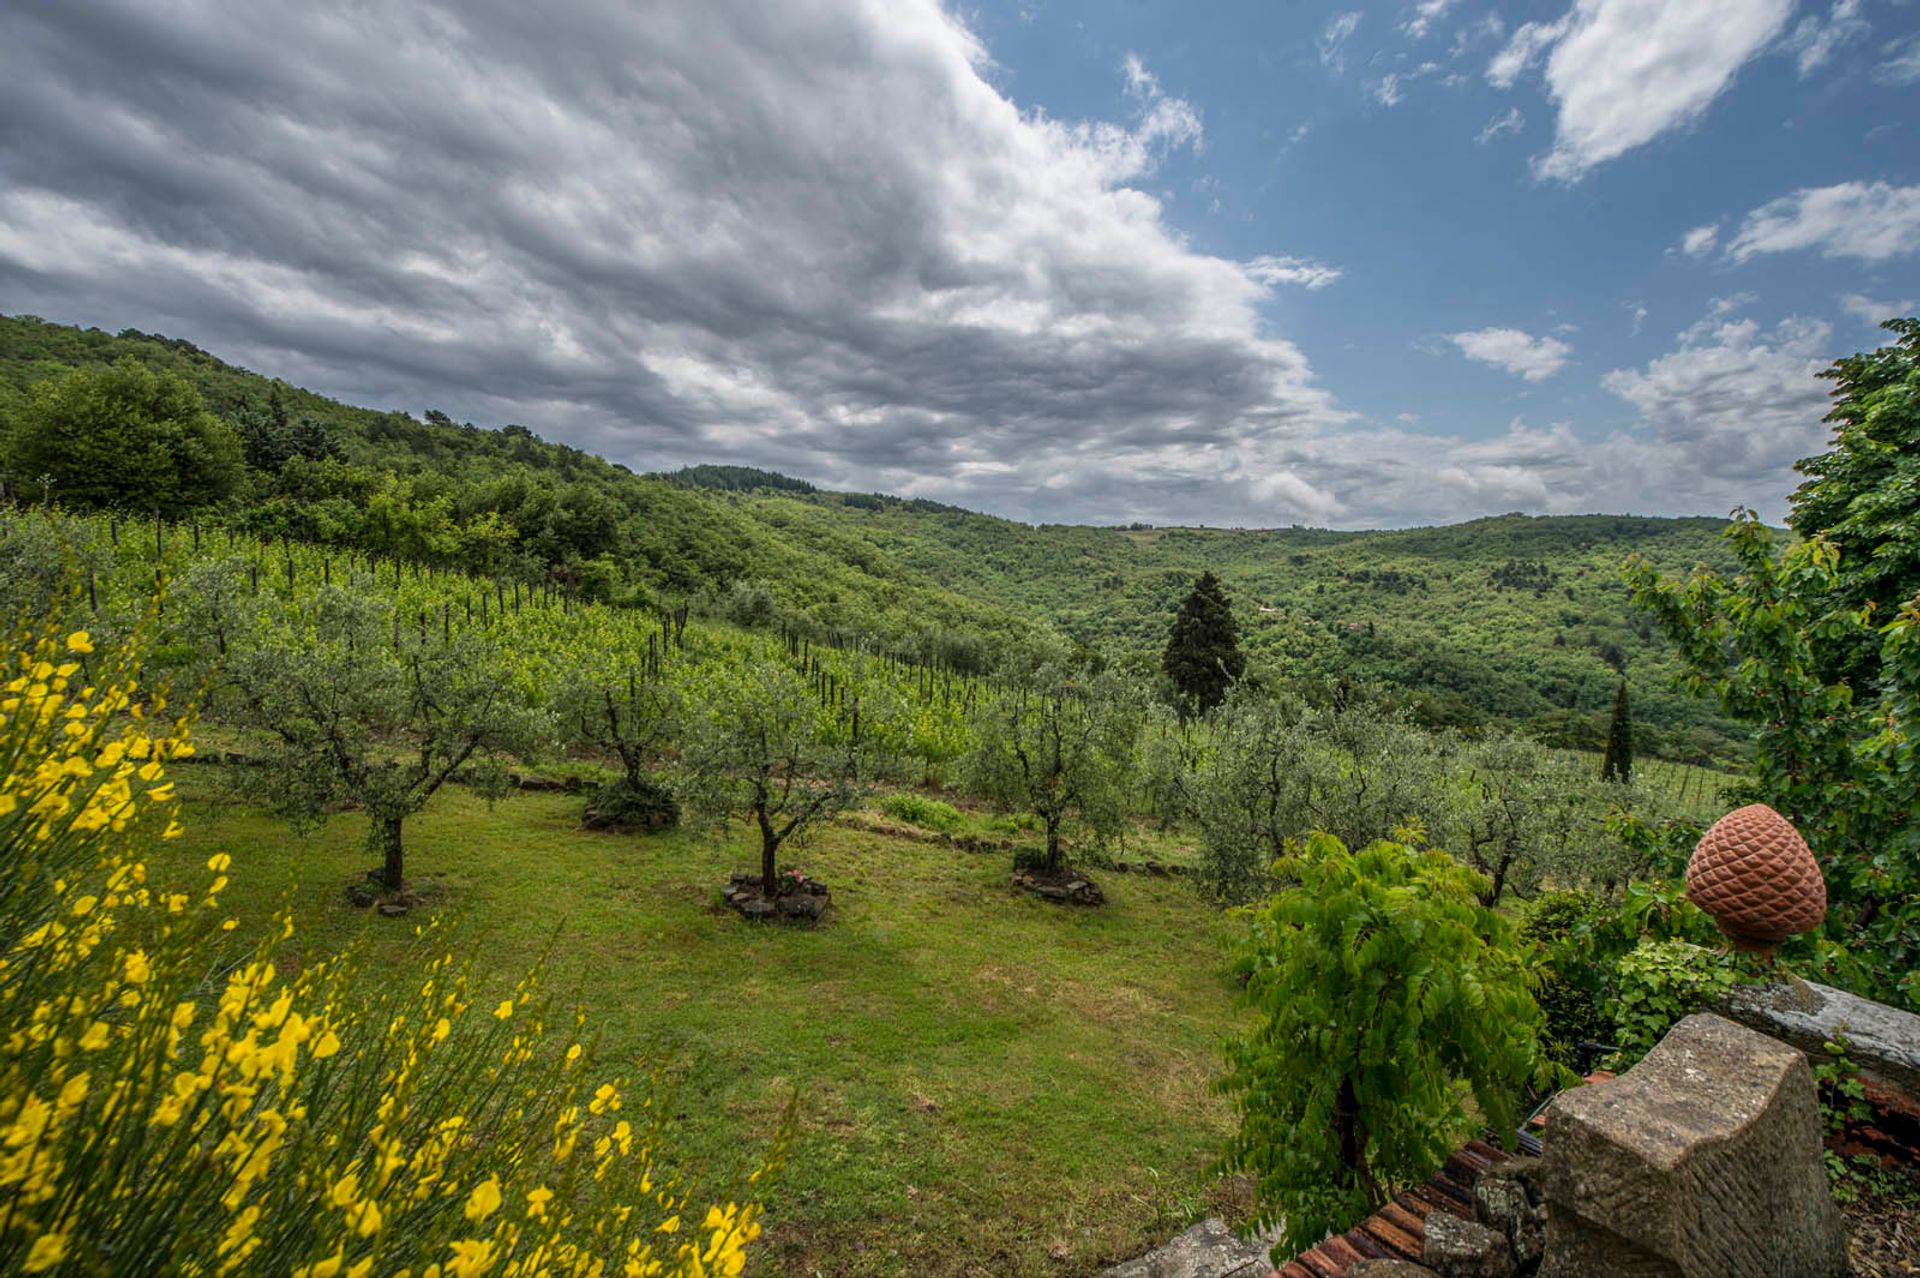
<point>1514,618</point>
<point>1504,620</point>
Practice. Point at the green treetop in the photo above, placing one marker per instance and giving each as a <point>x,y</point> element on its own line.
<point>1863,493</point>
<point>1617,764</point>
<point>1203,655</point>
<point>124,436</point>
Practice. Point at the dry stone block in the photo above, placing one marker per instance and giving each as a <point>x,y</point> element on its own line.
<point>1390,1269</point>
<point>1702,1161</point>
<point>1509,1199</point>
<point>1459,1248</point>
<point>1883,1041</point>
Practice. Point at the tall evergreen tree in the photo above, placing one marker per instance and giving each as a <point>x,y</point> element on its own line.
<point>1203,655</point>
<point>1617,765</point>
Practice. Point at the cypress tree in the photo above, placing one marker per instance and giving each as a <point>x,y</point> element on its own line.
<point>1203,654</point>
<point>1617,765</point>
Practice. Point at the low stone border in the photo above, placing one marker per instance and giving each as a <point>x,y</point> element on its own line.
<point>1069,888</point>
<point>805,900</point>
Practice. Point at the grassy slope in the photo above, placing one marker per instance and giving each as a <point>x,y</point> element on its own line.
<point>990,1085</point>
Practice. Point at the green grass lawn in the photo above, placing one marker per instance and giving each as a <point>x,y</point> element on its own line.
<point>989,1084</point>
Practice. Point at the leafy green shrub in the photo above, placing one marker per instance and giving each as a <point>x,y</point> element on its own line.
<point>1660,982</point>
<point>918,809</point>
<point>621,804</point>
<point>1576,973</point>
<point>1389,997</point>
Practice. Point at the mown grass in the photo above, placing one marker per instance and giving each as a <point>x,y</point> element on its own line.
<point>989,1084</point>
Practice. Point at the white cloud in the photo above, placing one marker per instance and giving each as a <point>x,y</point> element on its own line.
<point>1815,40</point>
<point>1305,272</point>
<point>1733,403</point>
<point>1639,310</point>
<point>1509,121</point>
<point>1529,41</point>
<point>1700,240</point>
<point>1623,72</point>
<point>1388,91</point>
<point>1871,313</point>
<point>1533,358</point>
<point>1425,14</point>
<point>1333,40</point>
<point>1903,67</point>
<point>1868,221</point>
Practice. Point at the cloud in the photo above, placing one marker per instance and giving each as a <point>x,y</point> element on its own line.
<point>1639,310</point>
<point>1700,240</point>
<point>1903,67</point>
<point>1388,91</point>
<point>1868,221</point>
<point>1815,40</point>
<point>1333,40</point>
<point>1870,312</point>
<point>1529,41</point>
<point>1305,272</point>
<point>1533,358</point>
<point>812,237</point>
<point>1623,72</point>
<point>1509,121</point>
<point>1734,403</point>
<point>1425,14</point>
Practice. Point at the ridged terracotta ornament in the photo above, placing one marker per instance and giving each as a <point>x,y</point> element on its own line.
<point>1757,877</point>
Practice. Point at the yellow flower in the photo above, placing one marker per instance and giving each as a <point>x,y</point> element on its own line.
<point>47,1251</point>
<point>95,1038</point>
<point>138,967</point>
<point>537,1201</point>
<point>485,1199</point>
<point>470,1258</point>
<point>328,1044</point>
<point>79,641</point>
<point>505,1009</point>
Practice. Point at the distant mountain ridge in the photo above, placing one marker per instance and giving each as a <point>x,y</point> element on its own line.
<point>1510,618</point>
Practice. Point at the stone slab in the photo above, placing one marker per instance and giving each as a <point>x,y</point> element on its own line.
<point>1883,1041</point>
<point>1208,1250</point>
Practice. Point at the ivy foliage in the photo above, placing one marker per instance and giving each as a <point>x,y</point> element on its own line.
<point>1659,983</point>
<point>1390,999</point>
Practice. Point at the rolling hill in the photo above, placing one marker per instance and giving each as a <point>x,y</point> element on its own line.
<point>1512,619</point>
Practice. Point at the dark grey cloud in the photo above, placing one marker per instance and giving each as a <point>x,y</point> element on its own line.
<point>808,235</point>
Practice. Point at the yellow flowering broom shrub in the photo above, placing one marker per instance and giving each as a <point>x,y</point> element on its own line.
<point>170,1105</point>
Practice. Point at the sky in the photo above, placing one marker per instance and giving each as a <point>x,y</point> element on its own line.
<point>1240,263</point>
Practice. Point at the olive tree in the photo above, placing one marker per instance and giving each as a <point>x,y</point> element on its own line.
<point>628,713</point>
<point>758,744</point>
<point>355,707</point>
<point>1059,746</point>
<point>1280,770</point>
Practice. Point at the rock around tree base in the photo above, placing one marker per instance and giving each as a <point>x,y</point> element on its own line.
<point>1067,886</point>
<point>799,897</point>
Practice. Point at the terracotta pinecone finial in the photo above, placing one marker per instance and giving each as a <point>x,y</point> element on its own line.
<point>1757,877</point>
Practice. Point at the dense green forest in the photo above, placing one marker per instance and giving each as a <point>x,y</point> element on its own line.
<point>1512,620</point>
